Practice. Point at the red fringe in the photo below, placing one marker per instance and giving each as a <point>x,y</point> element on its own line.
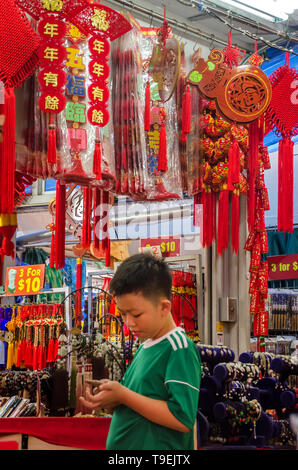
<point>79,292</point>
<point>52,155</point>
<point>285,185</point>
<point>235,223</point>
<point>7,154</point>
<point>253,133</point>
<point>52,257</point>
<point>96,212</point>
<point>162,154</point>
<point>186,112</point>
<point>97,160</point>
<point>87,207</point>
<point>147,108</point>
<point>223,222</point>
<point>50,351</point>
<point>60,225</point>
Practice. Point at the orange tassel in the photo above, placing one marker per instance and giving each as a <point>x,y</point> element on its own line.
<point>162,155</point>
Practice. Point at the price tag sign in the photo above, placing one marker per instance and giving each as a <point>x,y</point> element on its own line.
<point>162,246</point>
<point>24,280</point>
<point>283,267</point>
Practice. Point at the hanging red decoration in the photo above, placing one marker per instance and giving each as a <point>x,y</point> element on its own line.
<point>232,54</point>
<point>282,115</point>
<point>18,45</point>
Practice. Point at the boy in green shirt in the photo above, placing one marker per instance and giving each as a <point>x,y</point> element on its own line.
<point>155,404</point>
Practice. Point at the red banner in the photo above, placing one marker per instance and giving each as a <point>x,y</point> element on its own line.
<point>283,267</point>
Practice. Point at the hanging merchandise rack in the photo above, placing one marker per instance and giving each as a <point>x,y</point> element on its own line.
<point>191,264</point>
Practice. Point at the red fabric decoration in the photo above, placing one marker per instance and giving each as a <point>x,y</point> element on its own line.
<point>285,185</point>
<point>97,160</point>
<point>232,54</point>
<point>52,255</point>
<point>252,171</point>
<point>18,45</point>
<point>162,152</point>
<point>235,222</point>
<point>7,153</point>
<point>282,115</point>
<point>52,144</point>
<point>223,222</point>
<point>60,225</point>
<point>79,286</point>
<point>147,108</point>
<point>87,208</point>
<point>186,111</point>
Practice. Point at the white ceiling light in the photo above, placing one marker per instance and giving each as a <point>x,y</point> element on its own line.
<point>272,10</point>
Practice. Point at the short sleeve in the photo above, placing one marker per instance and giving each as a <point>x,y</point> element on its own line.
<point>182,381</point>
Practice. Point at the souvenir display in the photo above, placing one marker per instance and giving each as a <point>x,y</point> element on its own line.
<point>245,403</point>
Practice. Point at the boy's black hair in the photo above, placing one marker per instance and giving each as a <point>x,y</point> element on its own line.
<point>142,273</point>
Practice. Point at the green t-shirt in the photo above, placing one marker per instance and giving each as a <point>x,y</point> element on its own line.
<point>169,369</point>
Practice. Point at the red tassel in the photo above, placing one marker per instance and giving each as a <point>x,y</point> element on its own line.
<point>52,257</point>
<point>108,253</point>
<point>186,112</point>
<point>79,278</point>
<point>96,211</point>
<point>285,185</point>
<point>7,154</point>
<point>55,349</point>
<point>87,207</point>
<point>97,160</point>
<point>235,222</point>
<point>223,222</point>
<point>147,110</point>
<point>39,357</point>
<point>28,356</point>
<point>253,133</point>
<point>60,225</point>
<point>162,154</point>
<point>234,165</point>
<point>50,350</point>
<point>52,154</point>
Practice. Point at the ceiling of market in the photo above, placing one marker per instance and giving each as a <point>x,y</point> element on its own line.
<point>210,26</point>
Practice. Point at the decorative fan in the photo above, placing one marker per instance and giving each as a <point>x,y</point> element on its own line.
<point>164,67</point>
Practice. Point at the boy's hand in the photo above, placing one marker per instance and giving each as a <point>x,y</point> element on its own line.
<point>108,397</point>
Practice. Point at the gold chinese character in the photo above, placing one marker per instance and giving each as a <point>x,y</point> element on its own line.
<point>74,32</point>
<point>97,93</point>
<point>99,21</point>
<point>52,5</point>
<point>98,69</point>
<point>74,60</point>
<point>99,46</point>
<point>97,116</point>
<point>51,29</point>
<point>51,54</point>
<point>51,102</point>
<point>51,79</point>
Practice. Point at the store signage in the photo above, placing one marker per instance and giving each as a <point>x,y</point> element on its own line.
<point>283,267</point>
<point>24,280</point>
<point>168,246</point>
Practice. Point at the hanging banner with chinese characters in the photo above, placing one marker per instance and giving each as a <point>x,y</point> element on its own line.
<point>75,143</point>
